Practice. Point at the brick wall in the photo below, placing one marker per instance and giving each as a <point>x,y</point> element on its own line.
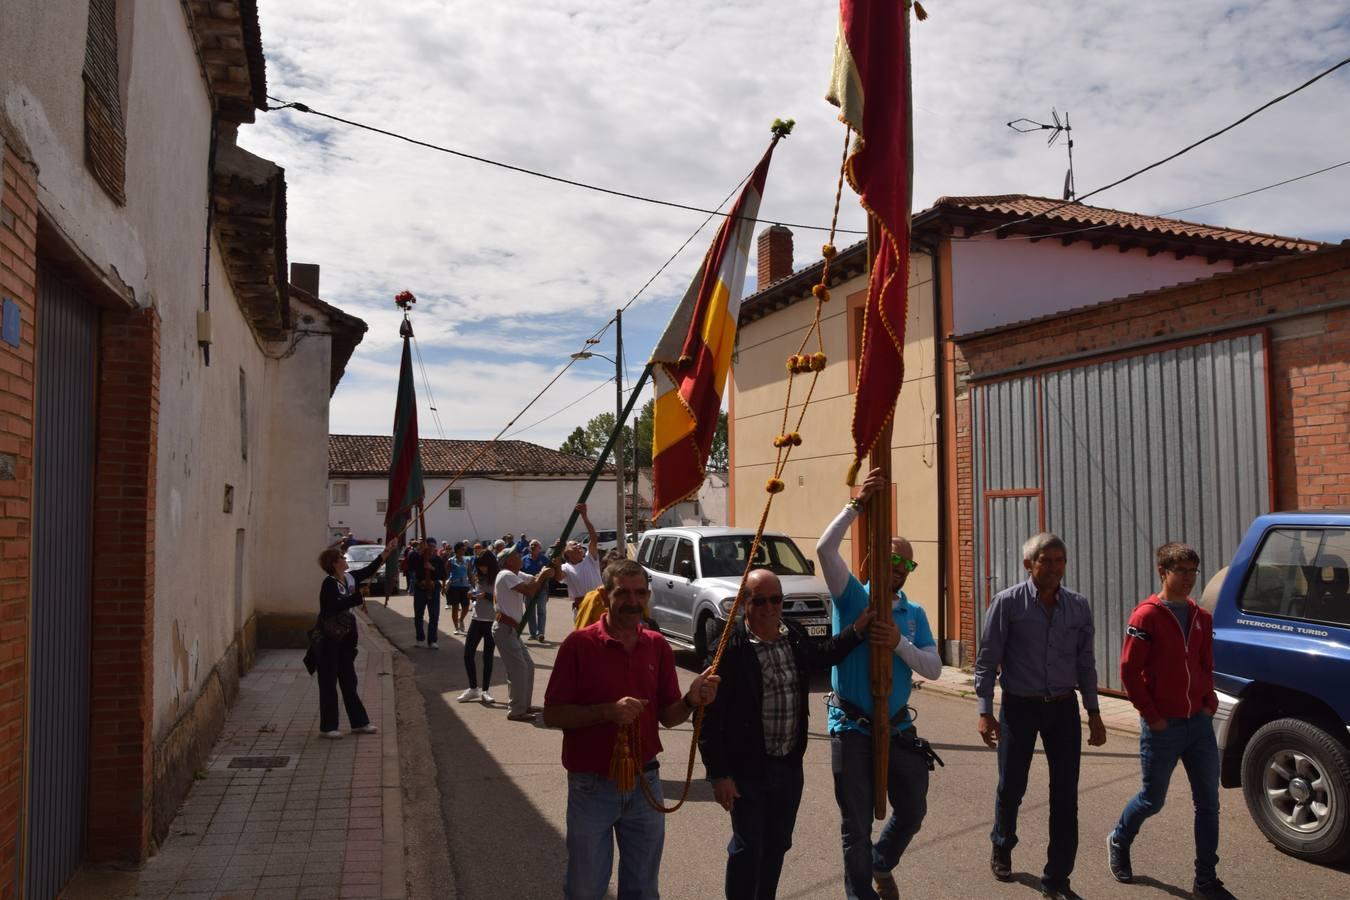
<point>18,282</point>
<point>121,750</point>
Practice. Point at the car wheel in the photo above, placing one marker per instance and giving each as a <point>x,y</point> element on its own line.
<point>1296,780</point>
<point>710,634</point>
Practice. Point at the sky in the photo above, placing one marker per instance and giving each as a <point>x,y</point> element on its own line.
<point>673,99</point>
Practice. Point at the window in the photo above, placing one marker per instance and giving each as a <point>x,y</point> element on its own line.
<point>684,560</point>
<point>455,497</point>
<point>382,506</point>
<point>665,549</point>
<point>105,138</point>
<point>340,494</point>
<point>1301,574</point>
<point>645,552</point>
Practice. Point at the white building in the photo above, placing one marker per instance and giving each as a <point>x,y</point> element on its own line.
<point>506,486</point>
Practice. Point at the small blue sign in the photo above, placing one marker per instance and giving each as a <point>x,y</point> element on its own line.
<point>13,327</point>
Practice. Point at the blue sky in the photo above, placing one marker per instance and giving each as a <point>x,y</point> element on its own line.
<point>673,99</point>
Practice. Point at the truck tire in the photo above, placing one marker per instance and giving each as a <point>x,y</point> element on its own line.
<point>709,633</point>
<point>1296,780</point>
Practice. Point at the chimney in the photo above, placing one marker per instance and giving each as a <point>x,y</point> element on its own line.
<point>305,276</point>
<point>775,255</point>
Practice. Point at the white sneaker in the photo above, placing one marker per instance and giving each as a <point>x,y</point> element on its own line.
<point>470,695</point>
<point>366,729</point>
<point>486,697</point>
<point>331,735</point>
<point>433,645</point>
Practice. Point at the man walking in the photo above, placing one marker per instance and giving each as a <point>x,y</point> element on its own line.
<point>511,590</point>
<point>754,735</point>
<point>581,566</point>
<point>909,758</point>
<point>1040,634</point>
<point>426,571</point>
<point>532,564</point>
<point>616,673</point>
<point>1167,667</point>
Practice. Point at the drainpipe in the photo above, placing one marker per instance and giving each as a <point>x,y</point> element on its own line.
<point>204,317</point>
<point>938,389</point>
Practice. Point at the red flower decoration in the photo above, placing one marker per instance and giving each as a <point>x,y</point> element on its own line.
<point>404,299</point>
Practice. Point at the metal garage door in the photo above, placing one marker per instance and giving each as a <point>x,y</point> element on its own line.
<point>1117,458</point>
<point>63,475</point>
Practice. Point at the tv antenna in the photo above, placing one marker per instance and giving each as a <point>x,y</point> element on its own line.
<point>1026,126</point>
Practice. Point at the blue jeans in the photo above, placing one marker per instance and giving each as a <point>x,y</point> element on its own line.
<point>1190,742</point>
<point>1061,734</point>
<point>539,614</point>
<point>428,602</point>
<point>907,790</point>
<point>598,814</point>
<point>762,820</point>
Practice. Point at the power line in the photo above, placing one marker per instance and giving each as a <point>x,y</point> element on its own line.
<point>301,107</point>
<point>522,430</point>
<point>1183,150</point>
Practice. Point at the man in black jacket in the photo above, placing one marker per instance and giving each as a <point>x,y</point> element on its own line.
<point>426,570</point>
<point>754,734</point>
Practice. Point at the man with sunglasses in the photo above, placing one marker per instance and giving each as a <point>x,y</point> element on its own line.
<point>913,650</point>
<point>754,734</point>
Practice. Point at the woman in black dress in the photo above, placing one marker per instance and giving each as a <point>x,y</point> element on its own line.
<point>337,648</point>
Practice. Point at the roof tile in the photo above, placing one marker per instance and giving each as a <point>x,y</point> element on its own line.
<point>368,455</point>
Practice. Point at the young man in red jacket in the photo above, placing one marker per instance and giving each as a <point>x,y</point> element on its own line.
<point>1167,667</point>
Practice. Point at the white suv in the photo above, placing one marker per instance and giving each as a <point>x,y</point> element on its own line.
<point>695,572</point>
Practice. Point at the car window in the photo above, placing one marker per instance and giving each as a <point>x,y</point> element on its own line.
<point>364,554</point>
<point>726,556</point>
<point>644,556</point>
<point>665,550</point>
<point>684,559</point>
<point>1301,574</point>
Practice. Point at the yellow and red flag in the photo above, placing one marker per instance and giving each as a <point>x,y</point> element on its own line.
<point>871,86</point>
<point>691,360</point>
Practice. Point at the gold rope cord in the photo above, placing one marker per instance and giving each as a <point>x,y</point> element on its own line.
<point>626,761</point>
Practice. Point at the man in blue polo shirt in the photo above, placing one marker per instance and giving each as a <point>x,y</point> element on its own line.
<point>913,650</point>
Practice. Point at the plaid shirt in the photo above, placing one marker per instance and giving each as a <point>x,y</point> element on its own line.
<point>781,696</point>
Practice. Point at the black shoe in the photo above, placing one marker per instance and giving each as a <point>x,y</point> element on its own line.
<point>1211,890</point>
<point>1058,891</point>
<point>1118,860</point>
<point>1000,863</point>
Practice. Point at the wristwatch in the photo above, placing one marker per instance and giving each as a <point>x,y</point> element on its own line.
<point>856,503</point>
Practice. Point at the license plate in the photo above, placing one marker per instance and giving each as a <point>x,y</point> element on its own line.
<point>817,630</point>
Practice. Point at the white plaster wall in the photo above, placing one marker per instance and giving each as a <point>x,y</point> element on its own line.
<point>997,282</point>
<point>537,506</point>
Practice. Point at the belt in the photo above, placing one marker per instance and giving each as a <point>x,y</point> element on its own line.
<point>651,766</point>
<point>1040,698</point>
<point>507,620</point>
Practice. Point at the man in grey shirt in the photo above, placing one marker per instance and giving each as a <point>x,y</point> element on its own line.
<point>1039,633</point>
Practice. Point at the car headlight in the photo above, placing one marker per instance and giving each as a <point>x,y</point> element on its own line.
<point>726,605</point>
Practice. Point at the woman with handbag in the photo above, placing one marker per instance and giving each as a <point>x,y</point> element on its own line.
<point>336,629</point>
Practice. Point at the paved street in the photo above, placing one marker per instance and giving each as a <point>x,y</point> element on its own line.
<point>503,794</point>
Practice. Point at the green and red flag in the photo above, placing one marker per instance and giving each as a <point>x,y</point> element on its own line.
<point>691,360</point>
<point>405,462</point>
<point>871,86</point>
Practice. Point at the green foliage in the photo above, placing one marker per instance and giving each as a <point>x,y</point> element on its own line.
<point>590,439</point>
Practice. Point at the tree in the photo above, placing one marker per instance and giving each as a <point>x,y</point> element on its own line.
<point>719,457</point>
<point>578,444</point>
<point>637,439</point>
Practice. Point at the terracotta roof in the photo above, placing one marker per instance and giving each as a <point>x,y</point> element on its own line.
<point>1077,215</point>
<point>229,46</point>
<point>249,193</point>
<point>348,330</point>
<point>367,455</point>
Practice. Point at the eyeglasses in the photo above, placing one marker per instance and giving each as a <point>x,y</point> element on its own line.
<point>775,599</point>
<point>898,560</point>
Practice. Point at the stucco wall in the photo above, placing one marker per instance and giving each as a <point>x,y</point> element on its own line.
<point>537,506</point>
<point>815,473</point>
<point>997,282</point>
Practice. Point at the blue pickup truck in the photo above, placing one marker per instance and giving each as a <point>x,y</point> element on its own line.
<point>1282,670</point>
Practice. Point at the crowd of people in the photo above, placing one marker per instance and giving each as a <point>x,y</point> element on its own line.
<point>614,684</point>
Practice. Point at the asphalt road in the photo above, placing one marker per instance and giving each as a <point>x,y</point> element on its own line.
<point>503,794</point>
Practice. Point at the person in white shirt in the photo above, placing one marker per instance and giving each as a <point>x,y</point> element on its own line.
<point>511,591</point>
<point>581,566</point>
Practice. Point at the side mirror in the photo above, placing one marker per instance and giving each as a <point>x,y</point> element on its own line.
<point>811,566</point>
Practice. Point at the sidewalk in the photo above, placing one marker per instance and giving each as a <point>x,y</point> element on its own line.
<point>326,821</point>
<point>1117,713</point>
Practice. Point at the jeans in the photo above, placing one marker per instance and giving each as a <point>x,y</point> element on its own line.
<point>337,669</point>
<point>519,667</point>
<point>479,630</point>
<point>426,601</point>
<point>1190,741</point>
<point>1061,733</point>
<point>907,790</point>
<point>762,820</point>
<point>538,615</point>
<point>598,814</point>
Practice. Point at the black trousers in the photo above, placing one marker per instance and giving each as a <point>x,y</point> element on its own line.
<point>479,631</point>
<point>337,669</point>
<point>762,820</point>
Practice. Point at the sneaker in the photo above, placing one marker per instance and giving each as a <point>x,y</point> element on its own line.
<point>1118,860</point>
<point>520,717</point>
<point>887,889</point>
<point>1211,890</point>
<point>433,645</point>
<point>331,735</point>
<point>366,729</point>
<point>1058,891</point>
<point>1000,863</point>
<point>534,709</point>
<point>470,695</point>
<point>487,698</point>
<point>420,640</point>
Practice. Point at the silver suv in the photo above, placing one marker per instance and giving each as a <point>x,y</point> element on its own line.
<point>695,572</point>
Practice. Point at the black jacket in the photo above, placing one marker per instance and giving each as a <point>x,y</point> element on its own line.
<point>732,738</point>
<point>417,566</point>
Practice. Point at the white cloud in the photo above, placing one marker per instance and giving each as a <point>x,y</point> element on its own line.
<point>673,100</point>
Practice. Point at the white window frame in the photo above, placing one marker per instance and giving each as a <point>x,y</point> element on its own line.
<point>342,490</point>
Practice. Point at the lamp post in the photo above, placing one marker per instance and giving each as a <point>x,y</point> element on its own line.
<point>621,517</point>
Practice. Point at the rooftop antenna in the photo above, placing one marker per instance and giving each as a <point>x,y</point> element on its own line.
<point>1026,126</point>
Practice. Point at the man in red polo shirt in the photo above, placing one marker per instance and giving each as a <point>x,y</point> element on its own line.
<point>613,673</point>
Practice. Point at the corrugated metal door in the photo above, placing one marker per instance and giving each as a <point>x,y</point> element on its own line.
<point>63,475</point>
<point>1136,451</point>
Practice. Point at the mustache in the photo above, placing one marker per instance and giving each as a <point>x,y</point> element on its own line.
<point>630,609</point>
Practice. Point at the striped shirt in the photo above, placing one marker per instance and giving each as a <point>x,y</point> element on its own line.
<point>781,694</point>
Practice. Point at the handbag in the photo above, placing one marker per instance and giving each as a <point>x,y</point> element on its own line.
<point>338,627</point>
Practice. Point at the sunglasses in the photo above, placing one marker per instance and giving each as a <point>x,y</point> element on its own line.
<point>898,560</point>
<point>775,599</point>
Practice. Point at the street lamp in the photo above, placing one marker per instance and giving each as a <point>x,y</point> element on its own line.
<point>621,518</point>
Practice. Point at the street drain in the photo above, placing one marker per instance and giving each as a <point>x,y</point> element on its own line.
<point>259,762</point>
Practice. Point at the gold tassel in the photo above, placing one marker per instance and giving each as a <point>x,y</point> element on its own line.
<point>919,12</point>
<point>852,475</point>
<point>621,766</point>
